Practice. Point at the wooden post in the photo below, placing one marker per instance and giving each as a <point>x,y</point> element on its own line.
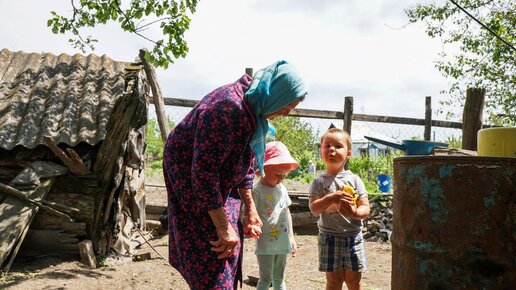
<point>428,118</point>
<point>472,117</point>
<point>249,71</point>
<point>159,104</point>
<point>348,113</point>
<point>87,255</point>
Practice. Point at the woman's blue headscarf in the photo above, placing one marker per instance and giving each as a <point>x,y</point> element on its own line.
<point>272,88</point>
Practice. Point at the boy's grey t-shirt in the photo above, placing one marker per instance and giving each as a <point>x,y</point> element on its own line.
<point>335,223</point>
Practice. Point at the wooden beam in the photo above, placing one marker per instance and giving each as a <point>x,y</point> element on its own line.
<point>303,218</point>
<point>6,189</point>
<point>155,209</point>
<point>87,255</point>
<point>348,114</point>
<point>44,242</point>
<point>472,117</point>
<point>325,114</point>
<point>180,102</point>
<point>320,114</point>
<point>156,95</point>
<point>249,71</point>
<point>428,118</point>
<point>71,161</point>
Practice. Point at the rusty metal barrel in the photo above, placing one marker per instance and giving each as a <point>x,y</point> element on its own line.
<point>454,223</point>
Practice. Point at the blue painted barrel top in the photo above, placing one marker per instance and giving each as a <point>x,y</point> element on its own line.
<point>454,223</point>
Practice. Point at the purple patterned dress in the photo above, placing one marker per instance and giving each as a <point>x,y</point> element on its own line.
<point>206,158</point>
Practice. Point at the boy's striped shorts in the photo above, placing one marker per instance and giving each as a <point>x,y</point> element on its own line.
<point>336,253</point>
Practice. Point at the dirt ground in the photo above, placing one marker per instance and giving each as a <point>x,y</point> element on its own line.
<point>59,273</point>
<point>123,273</point>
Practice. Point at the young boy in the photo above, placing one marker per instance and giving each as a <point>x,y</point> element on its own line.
<point>340,242</point>
<point>272,201</point>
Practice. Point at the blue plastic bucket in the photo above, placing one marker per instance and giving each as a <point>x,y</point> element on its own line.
<point>384,182</point>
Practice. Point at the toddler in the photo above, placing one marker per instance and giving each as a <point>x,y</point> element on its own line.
<point>272,202</point>
<point>340,199</point>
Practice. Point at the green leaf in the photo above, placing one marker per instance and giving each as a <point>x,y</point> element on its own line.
<point>482,60</point>
<point>91,13</point>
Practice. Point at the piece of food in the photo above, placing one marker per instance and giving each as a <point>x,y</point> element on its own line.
<point>351,192</point>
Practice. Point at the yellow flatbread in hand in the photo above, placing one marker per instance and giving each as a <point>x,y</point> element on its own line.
<point>351,192</point>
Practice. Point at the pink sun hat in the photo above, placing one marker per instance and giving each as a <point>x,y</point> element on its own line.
<point>277,153</point>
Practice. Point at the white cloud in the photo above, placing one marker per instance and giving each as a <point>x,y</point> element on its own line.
<point>342,48</point>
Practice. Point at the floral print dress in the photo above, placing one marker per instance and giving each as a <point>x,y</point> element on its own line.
<point>206,158</point>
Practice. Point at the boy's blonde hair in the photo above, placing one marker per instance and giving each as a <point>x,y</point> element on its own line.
<point>338,130</point>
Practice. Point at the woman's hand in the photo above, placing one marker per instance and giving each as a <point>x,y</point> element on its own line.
<point>251,220</point>
<point>252,223</point>
<point>227,242</point>
<point>227,237</point>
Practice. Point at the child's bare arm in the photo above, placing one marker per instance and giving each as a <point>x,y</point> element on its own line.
<point>363,208</point>
<point>320,204</point>
<point>359,211</point>
<point>291,232</point>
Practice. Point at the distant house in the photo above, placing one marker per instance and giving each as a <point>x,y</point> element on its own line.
<point>72,132</point>
<point>360,145</point>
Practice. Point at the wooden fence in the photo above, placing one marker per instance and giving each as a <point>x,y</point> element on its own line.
<point>470,126</point>
<point>348,116</point>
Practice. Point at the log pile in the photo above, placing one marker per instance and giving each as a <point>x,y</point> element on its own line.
<point>52,234</point>
<point>378,226</point>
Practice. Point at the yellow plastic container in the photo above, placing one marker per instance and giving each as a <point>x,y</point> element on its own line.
<point>498,142</point>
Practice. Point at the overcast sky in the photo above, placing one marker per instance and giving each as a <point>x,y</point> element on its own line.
<point>363,49</point>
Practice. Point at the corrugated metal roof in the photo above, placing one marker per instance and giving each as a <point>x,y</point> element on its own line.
<point>68,98</point>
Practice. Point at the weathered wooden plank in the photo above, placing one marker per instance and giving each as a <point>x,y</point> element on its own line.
<point>8,173</point>
<point>40,242</point>
<point>320,114</point>
<point>14,163</point>
<point>46,221</point>
<point>87,185</point>
<point>129,112</point>
<point>428,118</point>
<point>11,191</point>
<point>180,102</point>
<point>348,114</point>
<point>303,218</point>
<point>156,95</point>
<point>324,114</point>
<point>16,216</point>
<point>155,209</point>
<point>152,216</point>
<point>72,161</point>
<point>472,117</point>
<point>87,255</point>
<point>84,203</point>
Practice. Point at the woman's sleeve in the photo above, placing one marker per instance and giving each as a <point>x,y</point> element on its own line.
<point>248,180</point>
<point>218,130</point>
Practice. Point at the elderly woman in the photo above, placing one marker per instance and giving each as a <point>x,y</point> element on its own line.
<point>208,169</point>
